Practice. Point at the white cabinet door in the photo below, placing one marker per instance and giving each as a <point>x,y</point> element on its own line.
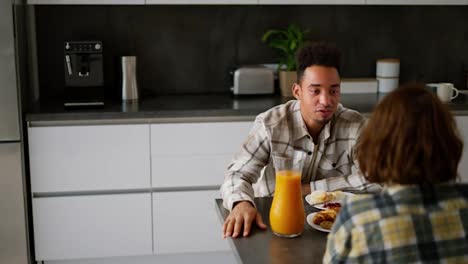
<point>462,123</point>
<point>86,2</point>
<point>189,171</point>
<point>202,2</point>
<point>92,226</point>
<point>187,222</point>
<point>198,138</point>
<point>194,154</point>
<point>83,158</point>
<point>312,2</point>
<point>417,2</point>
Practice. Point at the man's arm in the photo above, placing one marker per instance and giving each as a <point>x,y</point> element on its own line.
<point>351,183</point>
<point>244,169</point>
<point>354,181</point>
<point>237,191</point>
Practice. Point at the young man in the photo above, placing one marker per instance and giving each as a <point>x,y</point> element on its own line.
<point>315,123</point>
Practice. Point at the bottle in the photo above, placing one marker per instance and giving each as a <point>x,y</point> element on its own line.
<point>129,80</point>
<point>287,213</point>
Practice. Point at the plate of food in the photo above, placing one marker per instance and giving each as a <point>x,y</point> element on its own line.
<point>315,226</point>
<point>325,200</point>
<point>323,220</point>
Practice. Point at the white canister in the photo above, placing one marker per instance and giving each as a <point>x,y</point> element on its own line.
<point>388,68</point>
<point>387,85</point>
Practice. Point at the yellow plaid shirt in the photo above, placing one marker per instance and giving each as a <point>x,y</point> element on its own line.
<point>402,224</point>
<point>329,164</point>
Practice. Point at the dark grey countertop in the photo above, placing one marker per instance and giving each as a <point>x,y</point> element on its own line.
<point>262,246</point>
<point>222,107</point>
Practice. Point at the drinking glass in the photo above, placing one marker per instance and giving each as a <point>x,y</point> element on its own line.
<point>287,209</point>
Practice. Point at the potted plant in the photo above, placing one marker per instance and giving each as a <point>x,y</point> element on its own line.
<point>287,41</point>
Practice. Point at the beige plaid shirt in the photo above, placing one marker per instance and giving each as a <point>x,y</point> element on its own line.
<point>329,164</point>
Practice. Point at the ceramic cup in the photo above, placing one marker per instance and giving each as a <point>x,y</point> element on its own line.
<point>445,91</point>
<point>432,87</point>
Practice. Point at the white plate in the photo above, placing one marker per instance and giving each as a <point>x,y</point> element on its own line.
<point>338,199</point>
<point>311,223</point>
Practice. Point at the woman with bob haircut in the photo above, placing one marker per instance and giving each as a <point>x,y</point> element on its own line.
<point>412,147</point>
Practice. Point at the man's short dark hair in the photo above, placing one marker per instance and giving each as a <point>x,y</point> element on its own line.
<point>320,54</point>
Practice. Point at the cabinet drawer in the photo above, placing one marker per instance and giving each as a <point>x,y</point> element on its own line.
<point>199,170</point>
<point>86,2</point>
<point>187,222</point>
<point>312,2</point>
<point>204,2</point>
<point>198,138</point>
<point>77,158</point>
<point>92,226</point>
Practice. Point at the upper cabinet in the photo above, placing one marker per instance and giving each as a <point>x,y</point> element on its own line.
<point>201,2</point>
<point>86,2</point>
<point>248,2</point>
<point>417,2</point>
<point>312,2</point>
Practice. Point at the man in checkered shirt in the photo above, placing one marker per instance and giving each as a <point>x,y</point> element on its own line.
<point>315,123</point>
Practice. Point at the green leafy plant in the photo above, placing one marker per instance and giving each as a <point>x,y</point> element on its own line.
<point>288,41</point>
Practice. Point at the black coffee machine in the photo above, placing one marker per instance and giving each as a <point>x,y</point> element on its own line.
<point>84,82</point>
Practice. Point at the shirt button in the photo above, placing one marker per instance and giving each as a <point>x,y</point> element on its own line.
<point>334,165</point>
<point>310,152</point>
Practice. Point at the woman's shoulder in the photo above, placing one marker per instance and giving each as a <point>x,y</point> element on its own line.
<point>362,209</point>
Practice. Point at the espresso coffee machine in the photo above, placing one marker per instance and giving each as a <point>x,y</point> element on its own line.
<point>84,82</point>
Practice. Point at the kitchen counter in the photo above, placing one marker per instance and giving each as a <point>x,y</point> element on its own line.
<point>262,246</point>
<point>197,108</point>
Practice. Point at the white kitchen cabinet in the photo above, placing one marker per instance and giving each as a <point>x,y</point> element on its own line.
<point>222,257</point>
<point>86,158</point>
<point>189,170</point>
<point>194,154</point>
<point>202,2</point>
<point>312,2</point>
<point>187,222</point>
<point>86,2</point>
<point>417,2</point>
<point>92,226</point>
<point>462,123</point>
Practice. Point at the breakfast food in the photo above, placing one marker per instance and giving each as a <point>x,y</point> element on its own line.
<point>332,205</point>
<point>326,217</point>
<point>320,196</point>
<point>326,224</point>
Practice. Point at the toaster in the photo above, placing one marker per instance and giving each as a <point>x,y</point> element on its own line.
<point>253,80</point>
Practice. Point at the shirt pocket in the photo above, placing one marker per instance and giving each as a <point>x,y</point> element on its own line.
<point>335,164</point>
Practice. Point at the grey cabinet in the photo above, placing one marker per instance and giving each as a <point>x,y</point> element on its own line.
<point>417,2</point>
<point>86,2</point>
<point>312,2</point>
<point>201,2</point>
<point>462,123</point>
<point>248,2</point>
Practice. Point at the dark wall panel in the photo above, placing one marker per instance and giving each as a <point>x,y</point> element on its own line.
<point>190,49</point>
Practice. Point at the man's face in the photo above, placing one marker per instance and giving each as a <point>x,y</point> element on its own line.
<point>319,94</point>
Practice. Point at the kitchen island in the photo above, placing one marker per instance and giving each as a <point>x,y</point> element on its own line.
<point>262,246</point>
<point>123,168</point>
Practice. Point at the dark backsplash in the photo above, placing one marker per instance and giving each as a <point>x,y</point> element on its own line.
<point>190,49</point>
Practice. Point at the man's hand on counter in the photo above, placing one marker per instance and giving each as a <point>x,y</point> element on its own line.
<point>242,216</point>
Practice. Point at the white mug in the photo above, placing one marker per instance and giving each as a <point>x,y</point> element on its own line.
<point>446,92</point>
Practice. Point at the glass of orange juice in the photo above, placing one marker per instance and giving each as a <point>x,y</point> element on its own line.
<point>287,214</point>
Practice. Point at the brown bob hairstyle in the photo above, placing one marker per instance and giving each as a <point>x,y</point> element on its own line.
<point>411,138</point>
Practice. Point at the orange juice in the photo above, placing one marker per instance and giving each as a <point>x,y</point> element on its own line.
<point>287,210</point>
